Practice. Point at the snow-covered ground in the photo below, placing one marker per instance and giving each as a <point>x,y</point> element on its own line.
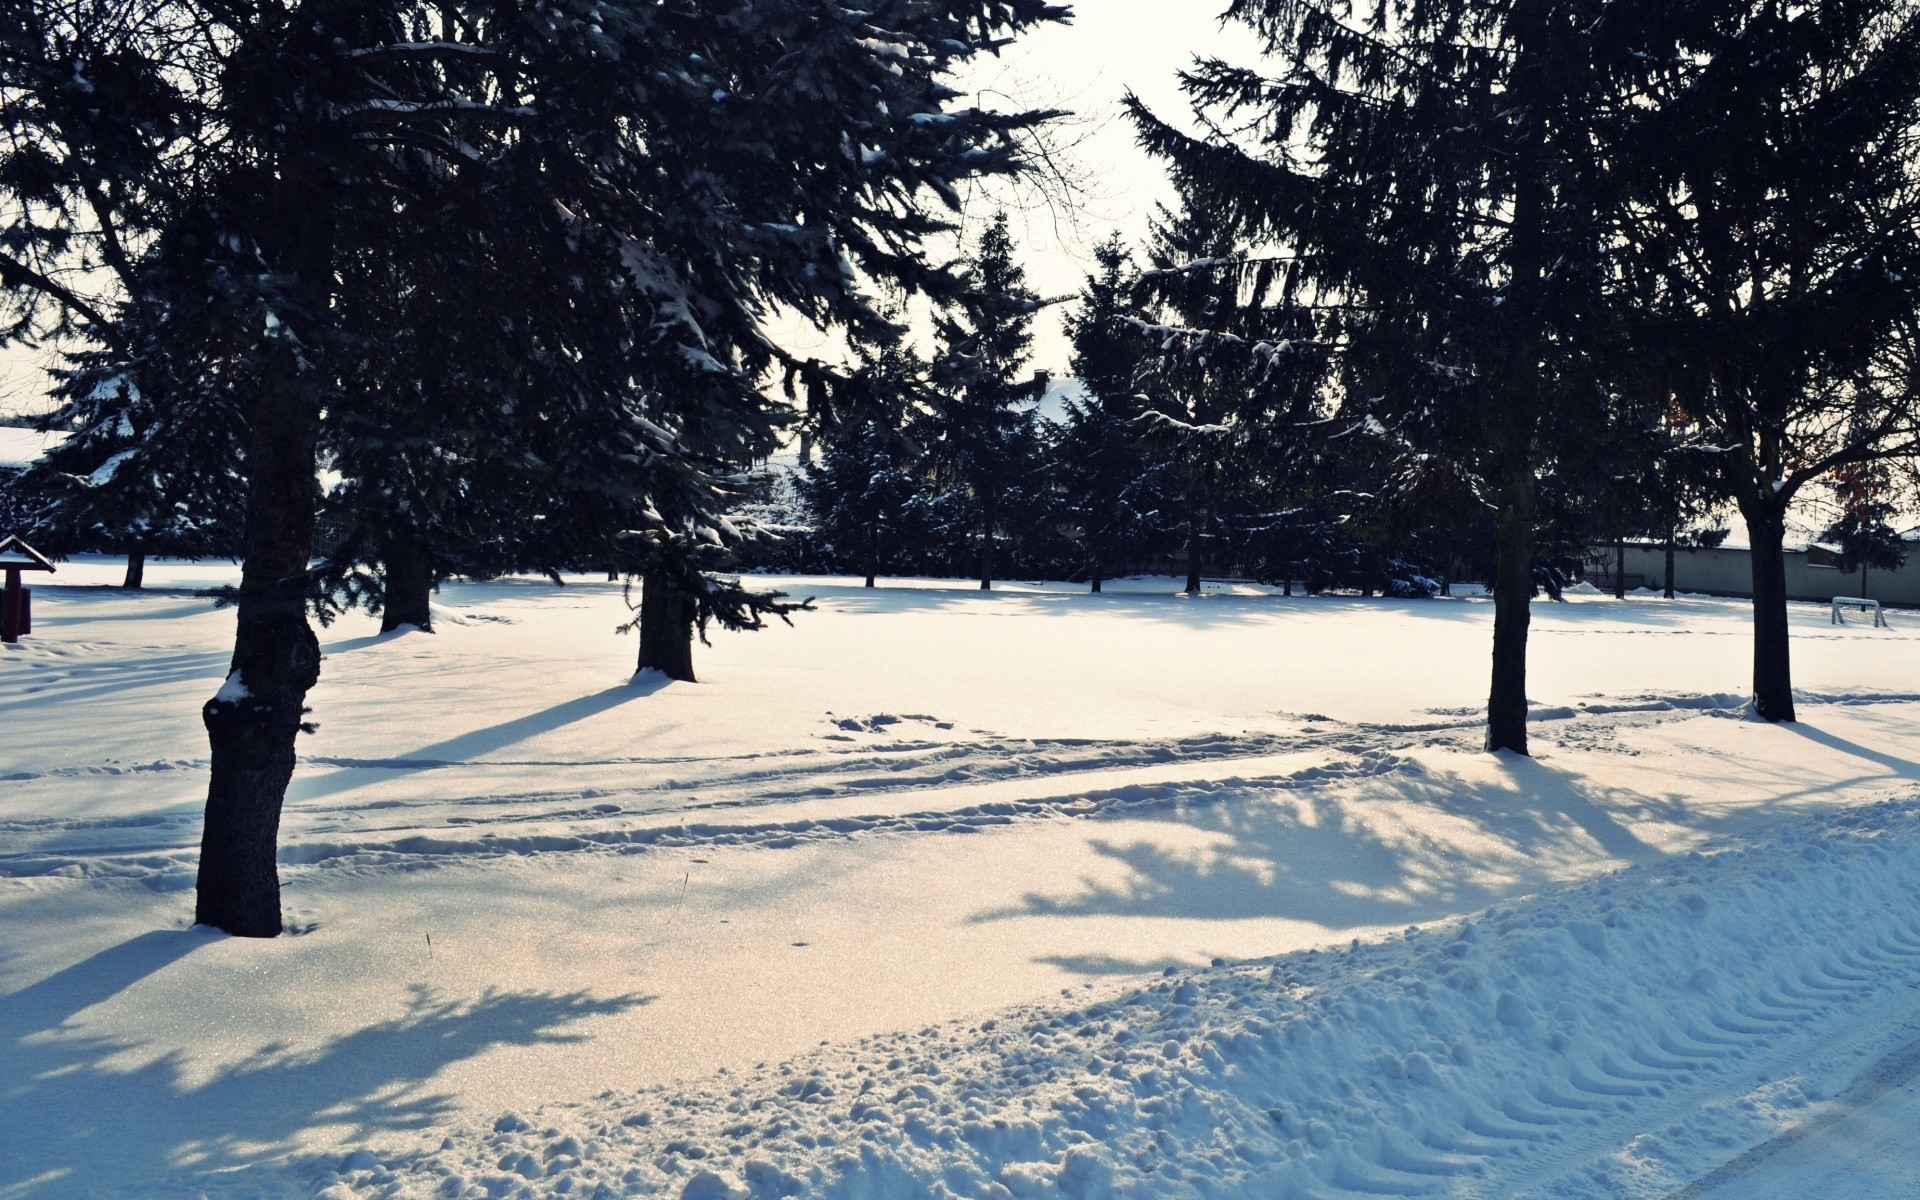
<point>943,893</point>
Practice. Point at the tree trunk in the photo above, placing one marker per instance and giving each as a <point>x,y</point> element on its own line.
<point>407,583</point>
<point>1668,593</point>
<point>1512,607</point>
<point>136,571</point>
<point>1863,581</point>
<point>986,549</point>
<point>666,628</point>
<point>1772,670</point>
<point>873,553</point>
<point>1193,559</point>
<point>1096,578</point>
<point>1620,566</point>
<point>254,719</point>
<point>256,716</point>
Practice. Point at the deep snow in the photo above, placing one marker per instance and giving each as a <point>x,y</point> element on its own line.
<point>630,887</point>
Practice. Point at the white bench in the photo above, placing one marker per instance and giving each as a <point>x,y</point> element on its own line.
<point>1860,602</point>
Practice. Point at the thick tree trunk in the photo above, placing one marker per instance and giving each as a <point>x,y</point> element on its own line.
<point>254,719</point>
<point>256,716</point>
<point>1096,579</point>
<point>1772,670</point>
<point>873,553</point>
<point>136,577</point>
<point>408,583</point>
<point>1512,607</point>
<point>1193,561</point>
<point>1668,591</point>
<point>666,628</point>
<point>1620,566</point>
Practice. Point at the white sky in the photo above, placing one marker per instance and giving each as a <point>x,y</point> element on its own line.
<point>1111,46</point>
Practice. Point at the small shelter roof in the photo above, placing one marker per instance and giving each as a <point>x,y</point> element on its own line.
<point>16,555</point>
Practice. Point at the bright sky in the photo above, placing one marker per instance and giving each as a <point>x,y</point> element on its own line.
<point>1111,46</point>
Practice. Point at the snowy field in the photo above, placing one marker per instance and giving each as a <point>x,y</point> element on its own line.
<point>939,893</point>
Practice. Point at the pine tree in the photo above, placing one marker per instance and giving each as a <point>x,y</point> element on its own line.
<point>658,178</point>
<point>1424,174</point>
<point>864,498</point>
<point>981,429</point>
<point>1098,470</point>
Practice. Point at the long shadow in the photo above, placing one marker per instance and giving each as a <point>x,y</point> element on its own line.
<point>1903,767</point>
<point>465,747</point>
<point>86,1111</point>
<point>1317,858</point>
<point>100,680</point>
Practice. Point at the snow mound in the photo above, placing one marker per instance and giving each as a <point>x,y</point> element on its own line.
<point>1563,1045</point>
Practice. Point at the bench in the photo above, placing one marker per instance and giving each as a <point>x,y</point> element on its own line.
<point>1859,602</point>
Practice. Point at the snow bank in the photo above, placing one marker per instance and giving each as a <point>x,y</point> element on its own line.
<point>1603,1040</point>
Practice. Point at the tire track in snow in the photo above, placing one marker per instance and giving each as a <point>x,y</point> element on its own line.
<point>1516,1054</point>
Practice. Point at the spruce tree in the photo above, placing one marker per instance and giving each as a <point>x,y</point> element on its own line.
<point>981,427</point>
<point>1099,471</point>
<point>1424,173</point>
<point>658,179</point>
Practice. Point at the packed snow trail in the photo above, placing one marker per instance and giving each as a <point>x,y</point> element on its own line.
<point>1603,1040</point>
<point>519,880</point>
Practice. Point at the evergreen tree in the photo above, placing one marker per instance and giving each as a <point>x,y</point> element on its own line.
<point>135,475</point>
<point>864,498</point>
<point>1424,173</point>
<point>1099,471</point>
<point>658,179</point>
<point>867,499</point>
<point>1218,408</point>
<point>981,427</point>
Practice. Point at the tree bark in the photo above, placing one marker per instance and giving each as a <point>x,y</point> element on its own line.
<point>136,577</point>
<point>666,628</point>
<point>253,721</point>
<point>1512,606</point>
<point>1668,593</point>
<point>1772,669</point>
<point>1620,566</point>
<point>408,583</point>
<point>1096,579</point>
<point>1193,560</point>
<point>873,553</point>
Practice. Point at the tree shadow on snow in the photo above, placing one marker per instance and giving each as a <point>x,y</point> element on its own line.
<point>86,1110</point>
<point>1345,862</point>
<point>463,748</point>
